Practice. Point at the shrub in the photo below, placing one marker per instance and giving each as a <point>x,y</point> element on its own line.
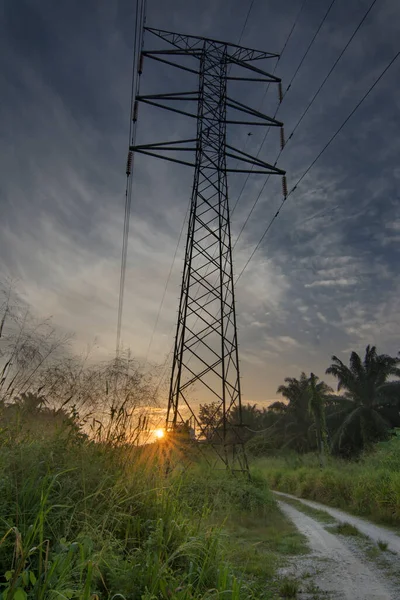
<point>368,487</point>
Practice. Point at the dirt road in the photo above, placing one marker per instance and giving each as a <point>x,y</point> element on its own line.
<point>339,567</point>
<point>375,532</point>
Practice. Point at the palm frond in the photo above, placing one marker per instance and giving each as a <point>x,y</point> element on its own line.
<point>388,394</point>
<point>379,421</point>
<point>356,366</point>
<point>345,425</point>
<point>343,374</point>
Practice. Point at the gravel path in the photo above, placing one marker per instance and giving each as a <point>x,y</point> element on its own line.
<point>375,532</point>
<point>341,572</point>
<point>338,566</point>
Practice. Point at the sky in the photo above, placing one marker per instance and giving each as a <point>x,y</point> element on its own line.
<point>324,280</point>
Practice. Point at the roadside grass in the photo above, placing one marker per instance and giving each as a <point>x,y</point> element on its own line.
<point>373,552</point>
<point>385,559</point>
<point>83,521</point>
<point>259,540</point>
<point>289,588</point>
<point>383,546</point>
<point>319,515</point>
<point>316,592</point>
<point>293,588</point>
<point>346,529</point>
<point>369,487</point>
<point>260,544</point>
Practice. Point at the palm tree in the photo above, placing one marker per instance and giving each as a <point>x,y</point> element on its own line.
<point>277,407</point>
<point>297,422</point>
<point>305,411</point>
<point>317,395</point>
<point>368,391</point>
<point>210,419</point>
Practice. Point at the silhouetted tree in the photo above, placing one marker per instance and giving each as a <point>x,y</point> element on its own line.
<point>28,416</point>
<point>297,420</point>
<point>210,417</point>
<point>316,405</point>
<point>305,410</point>
<point>278,407</point>
<point>368,397</point>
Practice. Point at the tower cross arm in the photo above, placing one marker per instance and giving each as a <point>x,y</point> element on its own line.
<point>190,42</point>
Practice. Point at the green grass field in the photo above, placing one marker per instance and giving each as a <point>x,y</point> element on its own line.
<point>84,521</point>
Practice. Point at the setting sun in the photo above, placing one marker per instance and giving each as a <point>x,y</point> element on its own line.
<point>159,433</point>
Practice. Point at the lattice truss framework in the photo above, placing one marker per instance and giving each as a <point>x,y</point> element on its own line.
<point>205,360</point>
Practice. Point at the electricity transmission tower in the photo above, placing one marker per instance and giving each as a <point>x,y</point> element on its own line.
<point>205,358</point>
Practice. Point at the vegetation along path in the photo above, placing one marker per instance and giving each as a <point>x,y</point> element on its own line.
<point>344,564</point>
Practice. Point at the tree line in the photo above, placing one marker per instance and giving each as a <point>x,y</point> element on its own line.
<point>42,382</point>
<point>365,409</point>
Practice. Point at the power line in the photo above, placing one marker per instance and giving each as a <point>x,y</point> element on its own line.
<point>317,158</point>
<point>348,118</point>
<point>293,27</point>
<point>140,18</point>
<point>307,108</point>
<point>276,112</point>
<point>310,45</point>
<point>333,67</point>
<point>245,22</point>
<point>288,37</point>
<point>127,195</point>
<point>278,107</point>
<point>266,92</point>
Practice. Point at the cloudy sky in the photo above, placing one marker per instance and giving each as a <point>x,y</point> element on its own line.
<point>324,280</point>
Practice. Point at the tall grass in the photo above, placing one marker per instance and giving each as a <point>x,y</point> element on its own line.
<point>79,520</point>
<point>369,487</point>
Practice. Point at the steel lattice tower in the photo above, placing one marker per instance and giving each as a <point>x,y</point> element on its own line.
<point>205,358</point>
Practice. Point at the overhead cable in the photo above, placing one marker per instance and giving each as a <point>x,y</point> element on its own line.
<point>265,93</point>
<point>245,22</point>
<point>316,159</point>
<point>303,114</point>
<point>140,18</point>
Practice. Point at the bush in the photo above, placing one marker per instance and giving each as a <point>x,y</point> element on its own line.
<point>223,492</point>
<point>369,487</point>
